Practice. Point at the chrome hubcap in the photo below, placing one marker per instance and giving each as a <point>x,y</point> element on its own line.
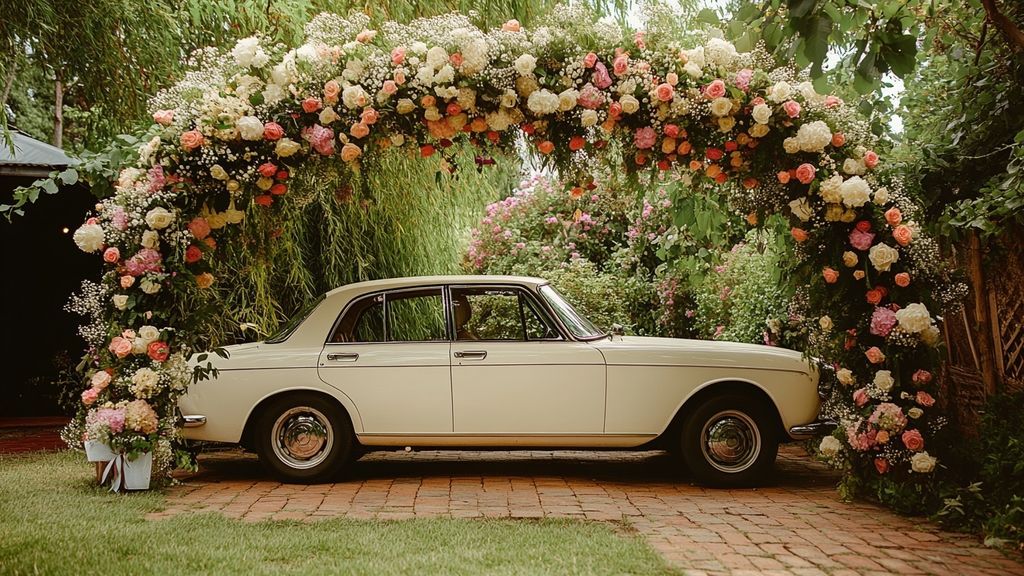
<point>730,441</point>
<point>302,437</point>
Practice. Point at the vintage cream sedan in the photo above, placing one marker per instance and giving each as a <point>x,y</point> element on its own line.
<point>496,361</point>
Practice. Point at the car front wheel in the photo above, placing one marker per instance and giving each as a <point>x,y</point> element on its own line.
<point>730,440</point>
<point>304,438</point>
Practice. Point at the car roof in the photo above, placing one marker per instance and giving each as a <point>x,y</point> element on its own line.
<point>409,281</point>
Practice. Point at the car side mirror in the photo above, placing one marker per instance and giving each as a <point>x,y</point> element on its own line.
<point>618,330</point>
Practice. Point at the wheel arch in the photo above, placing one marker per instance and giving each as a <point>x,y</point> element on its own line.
<point>253,416</point>
<point>719,387</point>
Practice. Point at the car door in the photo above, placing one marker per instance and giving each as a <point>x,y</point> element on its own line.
<point>513,373</point>
<point>390,352</point>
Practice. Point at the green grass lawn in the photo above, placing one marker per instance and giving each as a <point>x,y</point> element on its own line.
<point>54,520</point>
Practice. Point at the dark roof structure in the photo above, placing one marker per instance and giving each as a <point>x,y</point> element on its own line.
<point>31,157</point>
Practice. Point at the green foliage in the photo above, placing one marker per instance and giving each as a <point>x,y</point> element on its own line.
<point>596,295</point>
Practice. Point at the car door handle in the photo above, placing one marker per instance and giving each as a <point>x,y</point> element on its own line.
<point>343,357</point>
<point>471,354</point>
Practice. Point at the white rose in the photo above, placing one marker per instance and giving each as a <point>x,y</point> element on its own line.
<point>761,113</point>
<point>250,128</point>
<point>567,100</point>
<point>923,463</point>
<point>354,96</point>
<point>328,115</point>
<point>150,239</point>
<point>695,56</point>
<point>801,208</point>
<point>826,323</point>
<point>437,57</point>
<point>89,237</point>
<point>881,196</point>
<point>542,102</point>
<point>855,192</point>
<point>845,376</point>
<point>809,93</point>
<point>432,114</point>
<point>693,70</point>
<point>830,446</point>
<point>445,75</point>
<point>854,166</point>
<point>727,123</point>
<point>721,107</point>
<point>883,256</point>
<point>509,98</point>
<point>120,301</point>
<point>285,147</point>
<point>780,92</point>
<point>397,139</point>
<point>405,105</point>
<point>883,380</point>
<point>914,318</point>
<point>829,189</point>
<point>217,172</point>
<point>139,346</point>
<point>588,118</point>
<point>930,335</point>
<point>149,334</point>
<point>159,218</point>
<point>915,413</point>
<point>790,145</point>
<point>149,286</point>
<point>525,65</point>
<point>629,104</point>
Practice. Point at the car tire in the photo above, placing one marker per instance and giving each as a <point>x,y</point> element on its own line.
<point>304,438</point>
<point>730,440</point>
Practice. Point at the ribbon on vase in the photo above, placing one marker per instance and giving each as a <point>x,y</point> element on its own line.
<point>114,469</point>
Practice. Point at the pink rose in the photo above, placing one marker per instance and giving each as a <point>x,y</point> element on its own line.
<point>398,55</point>
<point>120,346</point>
<point>883,320</point>
<point>620,64</point>
<point>589,60</point>
<point>921,377</point>
<point>600,77</point>
<point>272,131</point>
<point>399,77</point>
<point>615,109</point>
<point>861,240</point>
<point>320,138</point>
<point>158,351</point>
<point>714,90</point>
<point>925,399</point>
<point>743,78</point>
<point>805,173</point>
<point>903,235</point>
<point>127,281</point>
<point>370,116</point>
<point>672,78</point>
<point>267,169</point>
<point>511,26</point>
<point>310,105</point>
<point>756,101</point>
<point>390,87</point>
<point>645,137</point>
<point>191,140</point>
<point>590,97</point>
<point>870,159</point>
<point>671,130</point>
<point>913,440</point>
<point>665,92</point>
<point>111,255</point>
<point>830,275</point>
<point>860,397</point>
<point>163,117</point>
<point>792,108</point>
<point>833,101</point>
<point>90,396</point>
<point>874,355</point>
<point>199,227</point>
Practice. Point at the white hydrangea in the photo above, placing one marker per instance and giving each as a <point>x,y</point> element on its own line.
<point>474,56</point>
<point>89,237</point>
<point>855,192</point>
<point>693,71</point>
<point>543,102</point>
<point>695,57</point>
<point>720,52</point>
<point>791,145</point>
<point>882,257</point>
<point>914,318</point>
<point>829,189</point>
<point>247,52</point>
<point>854,166</point>
<point>813,136</point>
<point>145,383</point>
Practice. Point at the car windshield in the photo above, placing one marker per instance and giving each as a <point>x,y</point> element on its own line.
<point>285,331</point>
<point>579,326</point>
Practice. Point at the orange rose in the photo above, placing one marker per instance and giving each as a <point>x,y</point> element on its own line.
<point>783,177</point>
<point>903,234</point>
<point>369,116</point>
<point>204,280</point>
<point>359,130</point>
<point>831,276</point>
<point>428,101</point>
<point>752,218</point>
<point>350,152</point>
<point>799,234</point>
<point>546,147</point>
<point>191,140</point>
<point>750,183</point>
<point>695,164</point>
<point>874,296</point>
<point>713,170</point>
<point>893,216</point>
<point>577,143</point>
<point>902,279</point>
<point>838,139</point>
<point>684,148</point>
<point>668,145</point>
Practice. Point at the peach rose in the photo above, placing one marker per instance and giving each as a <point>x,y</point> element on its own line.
<point>589,60</point>
<point>511,26</point>
<point>903,235</point>
<point>860,397</point>
<point>359,130</point>
<point>127,281</point>
<point>331,91</point>
<point>831,276</point>
<point>350,152</point>
<point>858,274</point>
<point>272,131</point>
<point>120,346</point>
<point>398,55</point>
<point>455,59</point>
<point>399,77</point>
<point>366,36</point>
<point>163,117</point>
<point>870,159</point>
<point>902,279</point>
<point>90,396</point>
<point>546,147</point>
<point>874,296</point>
<point>912,440</point>
<point>893,216</point>
<point>714,90</point>
<point>310,105</point>
<point>620,64</point>
<point>191,140</point>
<point>111,255</point>
<point>390,87</point>
<point>838,139</point>
<point>805,173</point>
<point>921,377</point>
<point>665,92</point>
<point>925,399</point>
<point>204,280</point>
<point>799,234</point>
<point>784,176</point>
<point>882,437</point>
<point>874,355</point>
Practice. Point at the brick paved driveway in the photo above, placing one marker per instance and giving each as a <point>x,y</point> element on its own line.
<point>796,526</point>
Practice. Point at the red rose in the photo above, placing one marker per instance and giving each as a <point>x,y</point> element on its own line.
<point>264,199</point>
<point>714,154</point>
<point>882,465</point>
<point>158,350</point>
<point>193,254</point>
<point>874,296</point>
<point>278,189</point>
<point>281,175</point>
<point>864,226</point>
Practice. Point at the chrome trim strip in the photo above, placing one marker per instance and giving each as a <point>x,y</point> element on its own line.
<point>812,429</point>
<point>194,420</point>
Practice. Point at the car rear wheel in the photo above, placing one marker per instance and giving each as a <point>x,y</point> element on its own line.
<point>730,440</point>
<point>304,438</point>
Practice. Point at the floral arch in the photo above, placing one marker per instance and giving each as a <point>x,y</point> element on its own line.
<point>230,136</point>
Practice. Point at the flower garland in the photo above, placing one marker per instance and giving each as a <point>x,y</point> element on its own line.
<point>229,135</point>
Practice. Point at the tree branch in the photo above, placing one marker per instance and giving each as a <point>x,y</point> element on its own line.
<point>1008,27</point>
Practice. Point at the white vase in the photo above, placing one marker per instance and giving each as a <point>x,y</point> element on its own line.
<point>96,451</point>
<point>138,471</point>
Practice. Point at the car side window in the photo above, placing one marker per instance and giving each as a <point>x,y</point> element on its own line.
<point>404,316</point>
<point>497,314</point>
